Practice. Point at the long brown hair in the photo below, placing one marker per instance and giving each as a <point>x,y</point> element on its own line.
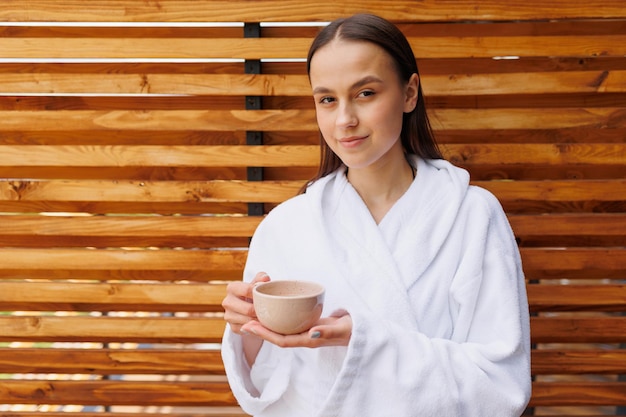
<point>416,136</point>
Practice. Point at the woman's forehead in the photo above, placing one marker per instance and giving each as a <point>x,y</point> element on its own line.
<point>341,58</point>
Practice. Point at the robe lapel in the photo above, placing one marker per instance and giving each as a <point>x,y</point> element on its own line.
<point>381,263</point>
<point>419,224</point>
<point>362,254</point>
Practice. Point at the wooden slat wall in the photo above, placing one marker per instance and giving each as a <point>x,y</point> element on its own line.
<point>129,189</point>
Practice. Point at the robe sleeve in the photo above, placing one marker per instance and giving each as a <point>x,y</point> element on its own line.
<point>257,387</point>
<point>262,385</point>
<point>483,370</point>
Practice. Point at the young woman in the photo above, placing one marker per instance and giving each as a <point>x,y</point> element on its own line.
<point>426,311</point>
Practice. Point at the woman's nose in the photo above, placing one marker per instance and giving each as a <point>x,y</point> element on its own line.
<point>346,116</point>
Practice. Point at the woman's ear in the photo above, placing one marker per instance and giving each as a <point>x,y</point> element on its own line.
<point>411,93</point>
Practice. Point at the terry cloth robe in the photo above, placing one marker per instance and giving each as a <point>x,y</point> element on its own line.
<point>435,291</point>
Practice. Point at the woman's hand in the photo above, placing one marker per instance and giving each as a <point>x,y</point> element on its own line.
<point>238,307</point>
<point>329,331</point>
<point>335,330</point>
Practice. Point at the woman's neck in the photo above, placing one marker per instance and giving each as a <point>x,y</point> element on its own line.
<point>380,188</point>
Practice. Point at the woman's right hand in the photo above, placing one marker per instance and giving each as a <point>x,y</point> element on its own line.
<point>238,307</point>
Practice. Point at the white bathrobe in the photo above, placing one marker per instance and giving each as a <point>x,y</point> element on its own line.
<point>435,291</point>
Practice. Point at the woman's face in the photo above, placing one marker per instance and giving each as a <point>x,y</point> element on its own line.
<point>360,101</point>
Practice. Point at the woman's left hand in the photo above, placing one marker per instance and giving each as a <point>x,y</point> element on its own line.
<point>328,331</point>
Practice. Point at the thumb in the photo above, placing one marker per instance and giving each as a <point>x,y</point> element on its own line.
<point>338,329</point>
<point>261,277</point>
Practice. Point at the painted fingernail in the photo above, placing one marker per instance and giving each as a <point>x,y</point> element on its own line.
<point>315,335</point>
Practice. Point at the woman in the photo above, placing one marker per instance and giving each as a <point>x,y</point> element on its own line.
<point>426,311</point>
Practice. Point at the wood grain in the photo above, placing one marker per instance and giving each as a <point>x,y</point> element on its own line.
<point>93,392</point>
<point>578,393</point>
<point>57,296</point>
<point>102,361</point>
<point>298,85</point>
<point>295,10</point>
<point>578,330</point>
<point>138,329</point>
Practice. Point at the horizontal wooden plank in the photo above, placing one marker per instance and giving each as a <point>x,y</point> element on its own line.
<point>513,172</point>
<point>578,330</point>
<point>576,190</point>
<point>299,120</point>
<point>298,85</point>
<point>529,154</point>
<point>135,264</point>
<point>229,197</point>
<point>537,118</point>
<point>582,27</point>
<point>157,120</point>
<point>183,156</point>
<point>66,135</point>
<point>487,135</point>
<point>525,83</point>
<point>205,68</point>
<point>578,361</point>
<point>578,393</point>
<point>550,260</point>
<point>461,67</point>
<point>294,155</point>
<point>569,229</point>
<point>241,208</point>
<point>294,10</point>
<point>574,263</point>
<point>103,242</point>
<point>164,31</point>
<point>132,226</point>
<point>92,392</point>
<point>107,329</point>
<point>200,84</point>
<point>61,48</point>
<point>122,275</point>
<point>209,362</point>
<point>129,231</point>
<point>172,228</point>
<point>544,297</point>
<point>207,261</point>
<point>201,231</point>
<point>568,224</point>
<point>501,66</point>
<point>190,192</point>
<point>143,103</point>
<point>55,296</point>
<point>497,101</point>
<point>112,361</point>
<point>275,191</point>
<point>126,207</point>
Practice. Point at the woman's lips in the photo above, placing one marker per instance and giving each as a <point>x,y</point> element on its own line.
<point>351,141</point>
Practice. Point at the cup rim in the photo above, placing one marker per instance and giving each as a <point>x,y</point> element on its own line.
<point>319,289</point>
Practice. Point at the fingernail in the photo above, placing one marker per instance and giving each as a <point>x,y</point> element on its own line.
<point>315,335</point>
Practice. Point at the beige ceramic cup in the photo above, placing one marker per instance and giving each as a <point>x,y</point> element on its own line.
<point>288,306</point>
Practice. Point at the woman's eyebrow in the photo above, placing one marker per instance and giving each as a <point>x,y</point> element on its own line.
<point>321,90</point>
<point>366,80</point>
<point>360,83</point>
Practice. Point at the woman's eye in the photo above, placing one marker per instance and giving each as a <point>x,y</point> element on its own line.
<point>326,100</point>
<point>367,93</point>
